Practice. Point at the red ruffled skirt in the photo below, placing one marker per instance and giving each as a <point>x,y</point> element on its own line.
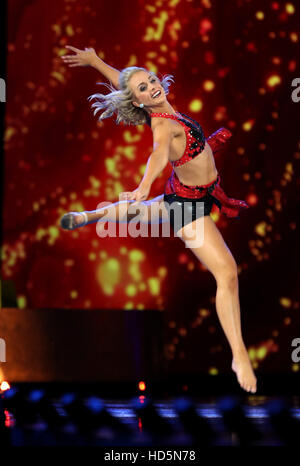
<point>227,205</point>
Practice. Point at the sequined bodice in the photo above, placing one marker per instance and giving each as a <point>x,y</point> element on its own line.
<point>194,136</point>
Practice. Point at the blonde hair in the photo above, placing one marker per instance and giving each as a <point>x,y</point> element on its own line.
<point>120,101</point>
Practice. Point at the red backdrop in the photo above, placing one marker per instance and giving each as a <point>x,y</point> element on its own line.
<point>233,64</point>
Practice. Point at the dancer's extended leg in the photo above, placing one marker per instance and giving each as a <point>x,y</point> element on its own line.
<point>152,211</point>
<point>217,258</point>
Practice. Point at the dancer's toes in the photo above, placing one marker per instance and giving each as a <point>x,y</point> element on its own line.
<point>73,220</point>
<point>244,372</point>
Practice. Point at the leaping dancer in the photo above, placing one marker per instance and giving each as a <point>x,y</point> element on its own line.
<point>138,96</point>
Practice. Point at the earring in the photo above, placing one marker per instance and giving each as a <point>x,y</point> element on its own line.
<point>141,105</point>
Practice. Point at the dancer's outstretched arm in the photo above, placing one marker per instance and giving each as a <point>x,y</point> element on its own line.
<point>88,57</point>
<point>156,161</point>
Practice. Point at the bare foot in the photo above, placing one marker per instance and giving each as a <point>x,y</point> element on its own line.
<point>73,220</point>
<point>241,365</point>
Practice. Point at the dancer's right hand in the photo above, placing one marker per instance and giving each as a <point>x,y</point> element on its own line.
<point>82,58</point>
<point>125,196</point>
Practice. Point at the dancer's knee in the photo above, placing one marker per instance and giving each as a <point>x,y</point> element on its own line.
<point>228,275</point>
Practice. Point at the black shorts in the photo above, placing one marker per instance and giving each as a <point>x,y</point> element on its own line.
<point>186,210</point>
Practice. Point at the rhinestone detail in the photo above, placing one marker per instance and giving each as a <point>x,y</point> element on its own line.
<point>194,136</point>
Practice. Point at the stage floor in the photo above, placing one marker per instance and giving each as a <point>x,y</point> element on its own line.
<point>35,415</point>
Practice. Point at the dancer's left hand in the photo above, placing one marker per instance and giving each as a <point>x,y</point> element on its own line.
<point>139,194</point>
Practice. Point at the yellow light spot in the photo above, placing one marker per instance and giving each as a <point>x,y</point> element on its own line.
<point>195,105</point>
<point>294,37</point>
<point>53,232</point>
<point>248,125</point>
<point>142,169</point>
<point>9,132</point>
<point>289,8</point>
<point>151,54</point>
<point>109,275</point>
<point>73,294</point>
<point>131,290</point>
<point>59,76</point>
<point>132,61</point>
<point>162,272</point>
<point>172,30</point>
<point>261,228</point>
<point>213,371</point>
<point>69,262</point>
<point>252,353</point>
<point>215,216</point>
<point>136,255</point>
<point>135,272</point>
<point>261,352</point>
<point>151,67</point>
<point>76,207</point>
<point>129,305</point>
<point>285,302</point>
<point>92,256</point>
<point>21,301</point>
<point>140,306</point>
<point>128,151</point>
<point>128,137</point>
<point>260,15</point>
<point>40,233</point>
<point>295,367</point>
<point>150,8</point>
<point>154,286</point>
<point>273,80</point>
<point>35,206</point>
<point>208,85</point>
<point>156,34</point>
<point>111,167</point>
<point>204,312</point>
<point>57,29</point>
<point>70,30</point>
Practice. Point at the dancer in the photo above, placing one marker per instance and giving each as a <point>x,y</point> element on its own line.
<point>138,96</point>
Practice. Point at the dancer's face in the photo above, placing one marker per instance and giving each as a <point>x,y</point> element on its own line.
<point>145,86</point>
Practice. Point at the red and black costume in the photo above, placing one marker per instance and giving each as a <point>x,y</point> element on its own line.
<point>211,193</point>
